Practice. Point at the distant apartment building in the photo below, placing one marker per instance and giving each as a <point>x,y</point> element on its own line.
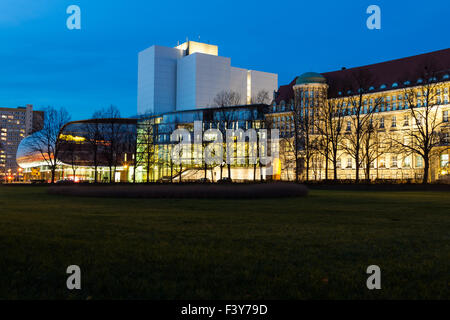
<point>15,125</point>
<point>191,75</point>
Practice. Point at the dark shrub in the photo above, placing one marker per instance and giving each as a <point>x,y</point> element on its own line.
<point>220,191</point>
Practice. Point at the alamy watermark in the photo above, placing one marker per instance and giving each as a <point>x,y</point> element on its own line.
<point>74,20</point>
<point>374,20</point>
<point>374,280</point>
<point>74,280</point>
<point>241,147</point>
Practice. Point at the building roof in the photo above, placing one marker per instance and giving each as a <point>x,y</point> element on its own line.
<point>285,93</point>
<point>310,77</point>
<point>386,75</point>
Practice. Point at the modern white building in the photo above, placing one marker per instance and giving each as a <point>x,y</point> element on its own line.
<point>190,76</point>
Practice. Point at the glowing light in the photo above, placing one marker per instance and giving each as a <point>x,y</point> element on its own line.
<point>69,137</point>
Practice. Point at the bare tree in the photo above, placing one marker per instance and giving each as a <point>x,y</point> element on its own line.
<point>330,118</point>
<point>372,144</point>
<point>423,136</point>
<point>262,97</point>
<point>113,134</point>
<point>360,110</point>
<point>226,118</point>
<point>95,139</point>
<point>227,98</point>
<point>70,152</point>
<point>147,132</point>
<point>305,113</point>
<point>46,141</point>
<point>334,117</point>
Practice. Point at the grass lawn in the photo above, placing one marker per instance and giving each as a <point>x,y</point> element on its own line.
<point>316,247</point>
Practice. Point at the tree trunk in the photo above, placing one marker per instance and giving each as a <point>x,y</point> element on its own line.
<point>426,169</point>
<point>335,166</point>
<point>53,173</point>
<point>368,172</point>
<point>357,164</point>
<point>307,169</point>
<point>95,167</point>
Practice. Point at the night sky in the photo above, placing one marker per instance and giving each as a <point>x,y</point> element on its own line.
<point>43,63</point>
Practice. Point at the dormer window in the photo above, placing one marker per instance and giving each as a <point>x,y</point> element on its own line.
<point>394,85</point>
<point>383,86</point>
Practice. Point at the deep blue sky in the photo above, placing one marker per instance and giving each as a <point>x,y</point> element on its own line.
<point>43,63</point>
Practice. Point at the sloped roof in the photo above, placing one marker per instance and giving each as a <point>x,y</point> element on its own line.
<point>383,75</point>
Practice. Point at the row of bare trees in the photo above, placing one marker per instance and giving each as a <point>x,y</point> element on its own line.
<point>106,138</point>
<point>353,126</point>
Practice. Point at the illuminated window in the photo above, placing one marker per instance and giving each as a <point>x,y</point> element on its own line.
<point>349,163</point>
<point>407,162</point>
<point>405,121</point>
<point>444,160</point>
<point>394,162</point>
<point>419,161</point>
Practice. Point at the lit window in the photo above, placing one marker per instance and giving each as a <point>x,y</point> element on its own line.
<point>349,163</point>
<point>394,162</point>
<point>419,162</point>
<point>444,160</point>
<point>407,162</point>
<point>406,121</point>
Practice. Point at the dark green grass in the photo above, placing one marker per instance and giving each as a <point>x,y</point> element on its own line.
<point>316,247</point>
